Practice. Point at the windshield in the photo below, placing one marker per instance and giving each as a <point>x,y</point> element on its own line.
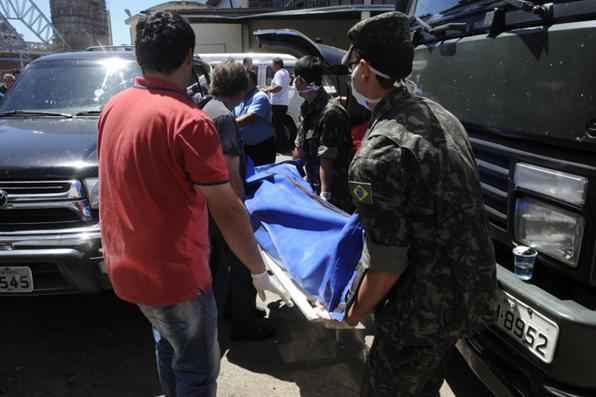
<point>426,8</point>
<point>70,86</point>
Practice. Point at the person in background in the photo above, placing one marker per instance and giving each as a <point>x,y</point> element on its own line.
<point>238,302</point>
<point>429,270</point>
<point>359,117</point>
<point>323,141</point>
<point>162,171</point>
<point>254,116</point>
<point>8,80</point>
<point>201,80</point>
<point>248,65</point>
<point>279,94</point>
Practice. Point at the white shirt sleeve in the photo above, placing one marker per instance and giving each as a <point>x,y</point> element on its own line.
<point>286,77</point>
<point>277,79</point>
<point>281,79</point>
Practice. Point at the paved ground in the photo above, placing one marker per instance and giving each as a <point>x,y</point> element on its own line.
<point>98,346</point>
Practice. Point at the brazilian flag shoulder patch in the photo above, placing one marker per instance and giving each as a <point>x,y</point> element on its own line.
<point>361,191</point>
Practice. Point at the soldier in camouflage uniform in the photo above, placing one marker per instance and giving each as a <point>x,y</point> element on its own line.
<point>430,273</point>
<point>324,139</point>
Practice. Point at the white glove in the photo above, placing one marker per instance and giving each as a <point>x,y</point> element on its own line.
<point>326,196</point>
<point>263,282</point>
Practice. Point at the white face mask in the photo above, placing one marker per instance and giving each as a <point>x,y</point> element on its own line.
<point>362,100</point>
<point>311,87</point>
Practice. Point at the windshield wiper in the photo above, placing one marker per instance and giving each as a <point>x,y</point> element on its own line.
<point>421,28</point>
<point>34,113</point>
<point>543,10</point>
<point>88,113</point>
<point>496,20</point>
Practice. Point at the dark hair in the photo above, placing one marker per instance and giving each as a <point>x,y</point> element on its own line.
<point>246,61</point>
<point>201,67</point>
<point>228,79</point>
<point>252,76</point>
<point>163,42</point>
<point>279,62</point>
<point>310,68</point>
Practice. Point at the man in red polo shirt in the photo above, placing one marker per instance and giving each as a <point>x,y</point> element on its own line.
<point>161,167</point>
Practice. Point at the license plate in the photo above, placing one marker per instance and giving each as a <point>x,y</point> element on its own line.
<point>534,331</point>
<point>16,279</point>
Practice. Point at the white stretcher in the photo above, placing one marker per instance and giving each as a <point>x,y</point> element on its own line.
<point>305,303</point>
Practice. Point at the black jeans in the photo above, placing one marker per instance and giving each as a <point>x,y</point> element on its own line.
<point>279,114</point>
<point>262,153</point>
<point>279,111</point>
<point>234,292</point>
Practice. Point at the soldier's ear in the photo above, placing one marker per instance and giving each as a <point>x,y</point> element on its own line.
<point>364,69</point>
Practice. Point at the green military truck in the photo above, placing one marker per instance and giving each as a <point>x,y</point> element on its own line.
<point>521,76</point>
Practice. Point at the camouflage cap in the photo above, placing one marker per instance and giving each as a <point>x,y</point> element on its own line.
<point>385,42</point>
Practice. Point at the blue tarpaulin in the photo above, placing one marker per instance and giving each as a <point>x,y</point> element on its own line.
<point>319,245</point>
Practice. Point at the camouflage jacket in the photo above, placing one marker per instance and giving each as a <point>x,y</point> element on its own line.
<point>416,187</point>
<point>325,133</point>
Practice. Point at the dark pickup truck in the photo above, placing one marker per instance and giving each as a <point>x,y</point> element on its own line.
<point>49,229</point>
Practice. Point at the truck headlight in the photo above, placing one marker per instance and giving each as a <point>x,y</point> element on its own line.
<point>92,185</point>
<point>556,184</point>
<point>552,231</point>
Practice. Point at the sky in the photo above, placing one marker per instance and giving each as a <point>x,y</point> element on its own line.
<point>120,32</point>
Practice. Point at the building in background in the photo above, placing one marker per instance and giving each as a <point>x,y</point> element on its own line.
<point>15,52</point>
<point>227,26</point>
<point>82,23</point>
<point>12,46</point>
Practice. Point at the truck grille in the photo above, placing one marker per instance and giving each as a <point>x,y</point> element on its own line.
<point>38,218</point>
<point>42,205</point>
<point>494,169</point>
<point>36,188</point>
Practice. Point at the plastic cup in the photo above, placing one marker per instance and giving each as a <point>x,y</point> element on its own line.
<point>523,262</point>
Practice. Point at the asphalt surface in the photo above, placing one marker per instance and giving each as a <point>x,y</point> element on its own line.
<point>99,346</point>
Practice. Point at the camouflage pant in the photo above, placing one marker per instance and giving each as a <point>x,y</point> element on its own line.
<point>396,370</point>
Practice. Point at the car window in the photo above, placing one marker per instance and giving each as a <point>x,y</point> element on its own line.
<point>70,86</point>
<point>269,76</point>
<point>430,8</point>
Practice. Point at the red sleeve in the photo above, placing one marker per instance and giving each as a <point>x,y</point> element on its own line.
<point>199,150</point>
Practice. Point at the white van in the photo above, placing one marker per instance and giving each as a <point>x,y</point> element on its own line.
<point>262,61</point>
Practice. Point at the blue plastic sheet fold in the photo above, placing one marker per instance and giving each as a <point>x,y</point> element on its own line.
<point>318,244</point>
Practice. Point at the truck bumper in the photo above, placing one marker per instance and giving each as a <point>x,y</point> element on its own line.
<point>509,370</point>
<point>61,261</point>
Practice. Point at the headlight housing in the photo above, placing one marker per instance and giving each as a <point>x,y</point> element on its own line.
<point>556,184</point>
<point>92,186</point>
<point>552,231</point>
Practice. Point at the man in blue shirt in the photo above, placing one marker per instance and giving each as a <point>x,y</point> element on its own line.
<point>254,116</point>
